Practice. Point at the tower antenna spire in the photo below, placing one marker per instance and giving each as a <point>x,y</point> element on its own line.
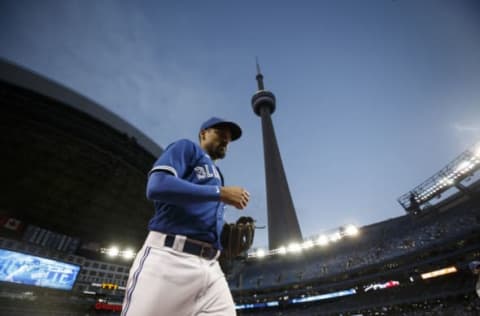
<point>259,76</point>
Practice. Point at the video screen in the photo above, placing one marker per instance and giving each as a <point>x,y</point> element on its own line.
<point>16,267</point>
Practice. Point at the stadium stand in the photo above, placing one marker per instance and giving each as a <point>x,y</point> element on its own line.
<point>398,249</point>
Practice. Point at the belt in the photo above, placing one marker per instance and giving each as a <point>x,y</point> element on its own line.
<point>193,247</point>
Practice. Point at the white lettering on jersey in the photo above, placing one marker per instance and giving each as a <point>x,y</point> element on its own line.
<point>209,174</point>
<point>215,172</point>
<point>206,171</point>
<point>201,174</point>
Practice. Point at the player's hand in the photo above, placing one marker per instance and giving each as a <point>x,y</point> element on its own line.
<point>235,196</point>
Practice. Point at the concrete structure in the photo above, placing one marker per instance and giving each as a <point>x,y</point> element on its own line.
<point>283,227</point>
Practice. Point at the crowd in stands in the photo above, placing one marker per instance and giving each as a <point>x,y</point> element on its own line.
<point>450,295</point>
<point>465,305</point>
<point>377,243</point>
<point>407,241</point>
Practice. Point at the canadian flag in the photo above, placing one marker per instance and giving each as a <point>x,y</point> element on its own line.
<point>13,224</point>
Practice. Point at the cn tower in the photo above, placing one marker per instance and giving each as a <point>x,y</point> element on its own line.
<point>283,227</point>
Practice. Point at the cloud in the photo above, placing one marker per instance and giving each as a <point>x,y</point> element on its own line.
<point>465,128</point>
<point>120,59</point>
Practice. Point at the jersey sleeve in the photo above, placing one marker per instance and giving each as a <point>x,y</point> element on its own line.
<point>169,189</point>
<point>176,159</point>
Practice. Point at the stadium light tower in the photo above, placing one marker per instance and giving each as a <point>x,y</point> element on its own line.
<point>283,227</point>
<point>462,167</point>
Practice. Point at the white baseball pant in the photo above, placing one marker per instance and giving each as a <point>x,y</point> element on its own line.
<point>166,281</point>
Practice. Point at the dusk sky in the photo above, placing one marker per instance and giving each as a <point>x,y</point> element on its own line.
<point>373,97</point>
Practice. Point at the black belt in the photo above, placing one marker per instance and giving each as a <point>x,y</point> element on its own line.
<point>197,248</point>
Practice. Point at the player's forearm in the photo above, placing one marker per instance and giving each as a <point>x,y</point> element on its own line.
<point>170,189</point>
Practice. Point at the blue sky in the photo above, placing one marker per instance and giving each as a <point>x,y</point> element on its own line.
<point>373,97</point>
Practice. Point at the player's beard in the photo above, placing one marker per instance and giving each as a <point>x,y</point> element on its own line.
<point>219,152</point>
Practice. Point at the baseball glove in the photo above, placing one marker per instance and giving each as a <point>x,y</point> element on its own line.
<point>237,237</point>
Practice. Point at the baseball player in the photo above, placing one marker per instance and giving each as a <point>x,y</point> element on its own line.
<point>176,272</point>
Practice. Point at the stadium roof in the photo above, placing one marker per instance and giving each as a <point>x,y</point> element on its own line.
<point>70,165</point>
<point>29,80</point>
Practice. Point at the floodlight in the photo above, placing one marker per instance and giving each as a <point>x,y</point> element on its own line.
<point>307,244</point>
<point>282,250</point>
<point>335,237</point>
<point>463,166</point>
<point>260,253</point>
<point>460,168</point>
<point>113,251</point>
<point>351,230</point>
<point>445,181</point>
<point>294,247</point>
<point>128,254</point>
<point>322,240</point>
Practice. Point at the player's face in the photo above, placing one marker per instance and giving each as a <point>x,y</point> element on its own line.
<point>215,141</point>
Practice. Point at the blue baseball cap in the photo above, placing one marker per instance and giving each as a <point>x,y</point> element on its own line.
<point>218,122</point>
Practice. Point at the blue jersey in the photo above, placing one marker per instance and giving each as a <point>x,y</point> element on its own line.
<point>200,220</point>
